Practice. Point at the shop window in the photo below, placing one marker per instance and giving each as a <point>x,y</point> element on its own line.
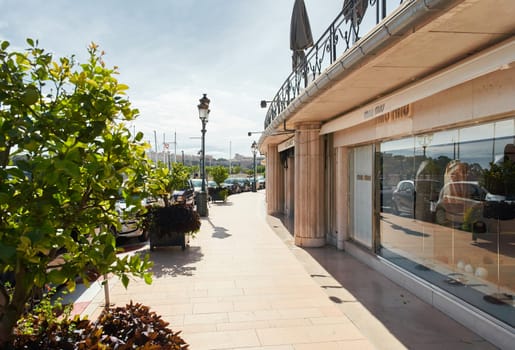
<point>448,211</point>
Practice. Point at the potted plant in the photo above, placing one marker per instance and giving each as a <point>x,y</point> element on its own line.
<point>219,174</point>
<point>174,223</point>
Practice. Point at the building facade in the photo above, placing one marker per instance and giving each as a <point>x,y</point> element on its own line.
<point>401,152</point>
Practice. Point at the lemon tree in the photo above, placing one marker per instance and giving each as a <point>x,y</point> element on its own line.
<point>66,156</point>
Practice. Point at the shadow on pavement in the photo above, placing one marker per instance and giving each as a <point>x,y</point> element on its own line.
<point>408,318</point>
<point>173,261</point>
<point>218,231</point>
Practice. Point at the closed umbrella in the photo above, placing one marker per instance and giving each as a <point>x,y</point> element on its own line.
<point>300,33</point>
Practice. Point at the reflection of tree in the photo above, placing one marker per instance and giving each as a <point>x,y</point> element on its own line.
<point>475,171</point>
<point>500,178</point>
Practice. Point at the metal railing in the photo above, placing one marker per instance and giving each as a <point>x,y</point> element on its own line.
<point>341,35</point>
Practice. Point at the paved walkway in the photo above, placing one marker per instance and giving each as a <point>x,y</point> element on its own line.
<point>242,284</point>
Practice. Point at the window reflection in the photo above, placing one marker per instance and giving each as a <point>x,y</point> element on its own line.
<point>448,211</point>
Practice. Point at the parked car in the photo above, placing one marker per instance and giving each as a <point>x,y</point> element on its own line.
<point>185,195</point>
<point>233,185</point>
<point>261,182</point>
<point>197,185</point>
<point>132,225</point>
<point>244,184</point>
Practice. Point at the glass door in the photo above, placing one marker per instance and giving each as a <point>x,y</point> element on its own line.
<point>361,169</point>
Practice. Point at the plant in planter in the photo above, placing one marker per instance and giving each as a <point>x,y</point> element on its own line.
<point>172,224</point>
<point>133,326</point>
<point>219,174</point>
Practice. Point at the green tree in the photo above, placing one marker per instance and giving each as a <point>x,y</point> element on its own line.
<point>64,124</point>
<point>163,181</point>
<point>219,174</point>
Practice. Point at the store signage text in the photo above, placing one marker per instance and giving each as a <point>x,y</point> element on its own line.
<point>377,111</point>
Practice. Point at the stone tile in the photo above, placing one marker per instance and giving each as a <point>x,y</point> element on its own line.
<point>292,322</point>
<point>252,305</point>
<point>309,334</point>
<point>361,344</point>
<point>213,318</point>
<point>303,312</point>
<point>222,327</point>
<point>222,340</point>
<point>330,320</point>
<point>207,308</point>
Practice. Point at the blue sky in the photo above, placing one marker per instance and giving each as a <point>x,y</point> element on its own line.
<point>170,52</point>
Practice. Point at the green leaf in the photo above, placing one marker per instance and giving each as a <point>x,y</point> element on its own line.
<point>30,42</point>
<point>125,280</point>
<point>122,87</point>
<point>57,276</point>
<point>5,45</point>
<point>7,252</point>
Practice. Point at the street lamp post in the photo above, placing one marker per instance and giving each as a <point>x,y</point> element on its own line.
<point>254,148</point>
<point>203,112</point>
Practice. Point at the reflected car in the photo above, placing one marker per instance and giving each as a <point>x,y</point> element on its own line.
<point>460,199</point>
<point>416,198</point>
<point>403,197</point>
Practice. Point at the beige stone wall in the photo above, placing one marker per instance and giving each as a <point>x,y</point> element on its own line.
<point>487,97</point>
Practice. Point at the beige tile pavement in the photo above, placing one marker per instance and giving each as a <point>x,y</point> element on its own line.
<point>241,285</point>
<point>238,287</point>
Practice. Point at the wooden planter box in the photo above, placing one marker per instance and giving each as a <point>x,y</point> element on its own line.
<point>172,226</point>
<point>159,238</point>
<point>218,194</point>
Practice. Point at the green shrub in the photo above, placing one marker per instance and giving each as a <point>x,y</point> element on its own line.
<point>131,327</point>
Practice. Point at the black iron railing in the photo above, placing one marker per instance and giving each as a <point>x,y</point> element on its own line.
<point>341,35</point>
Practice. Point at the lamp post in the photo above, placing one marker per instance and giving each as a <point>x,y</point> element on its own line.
<point>203,112</point>
<point>254,148</point>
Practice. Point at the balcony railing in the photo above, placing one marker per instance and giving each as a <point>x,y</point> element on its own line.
<point>341,35</point>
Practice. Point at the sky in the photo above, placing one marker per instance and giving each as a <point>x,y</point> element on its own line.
<point>170,52</point>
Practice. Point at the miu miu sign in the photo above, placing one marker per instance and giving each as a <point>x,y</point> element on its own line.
<point>403,112</point>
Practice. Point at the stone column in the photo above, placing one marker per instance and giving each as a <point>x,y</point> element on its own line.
<point>309,191</point>
<point>274,181</point>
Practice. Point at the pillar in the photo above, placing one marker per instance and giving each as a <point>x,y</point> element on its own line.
<point>309,191</point>
<point>274,181</point>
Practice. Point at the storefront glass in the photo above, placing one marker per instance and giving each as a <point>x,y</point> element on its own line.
<point>447,202</point>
